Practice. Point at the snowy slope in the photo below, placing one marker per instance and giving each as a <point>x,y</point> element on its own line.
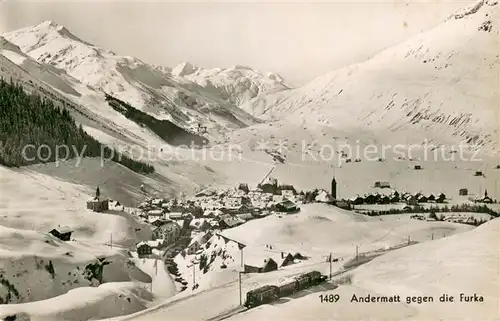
<point>464,263</point>
<point>218,288</point>
<point>317,230</point>
<point>237,84</point>
<point>144,86</point>
<point>443,81</point>
<point>39,266</point>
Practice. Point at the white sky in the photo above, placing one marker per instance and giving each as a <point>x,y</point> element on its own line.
<point>298,40</point>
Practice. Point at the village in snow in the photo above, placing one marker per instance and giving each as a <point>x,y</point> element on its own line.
<point>351,173</point>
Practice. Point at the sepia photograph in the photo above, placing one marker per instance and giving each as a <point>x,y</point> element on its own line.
<point>334,160</point>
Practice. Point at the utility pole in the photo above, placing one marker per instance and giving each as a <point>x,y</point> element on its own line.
<point>194,278</point>
<point>330,275</point>
<point>408,240</point>
<point>432,236</point>
<point>111,240</point>
<point>356,254</point>
<point>242,266</point>
<point>239,281</point>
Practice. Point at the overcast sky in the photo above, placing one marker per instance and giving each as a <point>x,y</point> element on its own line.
<point>299,40</point>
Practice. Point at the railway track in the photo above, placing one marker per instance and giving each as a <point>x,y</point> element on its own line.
<point>351,265</point>
<point>227,314</point>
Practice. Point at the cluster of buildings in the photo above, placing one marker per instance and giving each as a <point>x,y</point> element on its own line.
<point>212,210</point>
<point>398,197</point>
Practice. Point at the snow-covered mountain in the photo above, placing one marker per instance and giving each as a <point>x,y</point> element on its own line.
<point>237,84</point>
<point>443,81</point>
<point>149,88</point>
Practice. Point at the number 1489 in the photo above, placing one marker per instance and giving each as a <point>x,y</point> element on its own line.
<point>329,298</point>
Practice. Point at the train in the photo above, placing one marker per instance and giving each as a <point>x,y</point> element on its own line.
<point>268,293</point>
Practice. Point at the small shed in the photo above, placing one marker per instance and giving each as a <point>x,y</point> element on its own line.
<point>417,167</point>
<point>62,233</point>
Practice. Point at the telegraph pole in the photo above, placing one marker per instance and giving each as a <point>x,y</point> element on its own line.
<point>239,281</point>
<point>356,254</point>
<point>194,277</point>
<point>408,240</point>
<point>432,236</point>
<point>111,240</point>
<point>330,275</point>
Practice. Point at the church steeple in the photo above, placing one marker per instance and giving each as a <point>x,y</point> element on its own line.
<point>334,188</point>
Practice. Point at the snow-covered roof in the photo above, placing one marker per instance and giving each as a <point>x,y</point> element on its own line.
<point>64,229</point>
<point>155,212</point>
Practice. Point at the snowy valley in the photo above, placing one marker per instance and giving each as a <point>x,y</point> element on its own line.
<point>225,180</point>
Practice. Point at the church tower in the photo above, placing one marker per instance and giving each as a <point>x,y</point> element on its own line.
<point>334,188</point>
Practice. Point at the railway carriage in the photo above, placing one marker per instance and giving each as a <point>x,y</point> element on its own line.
<point>268,293</point>
<point>288,288</point>
<point>262,295</point>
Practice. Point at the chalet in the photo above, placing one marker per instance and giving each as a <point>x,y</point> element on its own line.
<point>370,199</point>
<point>298,256</point>
<point>144,249</point>
<point>421,198</point>
<point>284,259</point>
<point>384,200</point>
<point>411,200</point>
<point>431,198</point>
<point>197,241</point>
<point>97,205</point>
<point>358,200</point>
<point>395,197</point>
<point>441,198</point>
<point>266,265</point>
<point>322,197</point>
<point>382,184</point>
<point>287,206</point>
<point>62,233</point>
<point>463,192</point>
<point>200,224</point>
<point>169,232</point>
<point>245,216</point>
<point>230,222</point>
